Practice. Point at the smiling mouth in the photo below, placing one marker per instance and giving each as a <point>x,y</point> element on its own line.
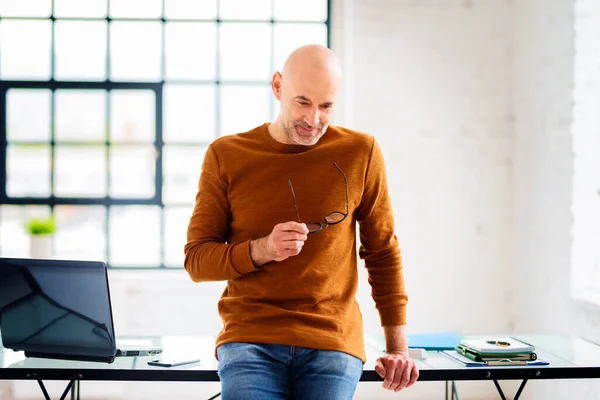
<point>305,130</point>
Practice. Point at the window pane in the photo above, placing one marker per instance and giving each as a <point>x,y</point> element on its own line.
<point>290,36</point>
<point>132,116</point>
<point>80,171</point>
<point>78,8</point>
<point>181,169</point>
<point>307,10</point>
<point>190,9</point>
<point>80,50</point>
<point>28,170</point>
<point>14,240</point>
<point>29,8</point>
<point>189,113</point>
<point>132,171</point>
<point>135,8</point>
<point>25,49</point>
<point>134,235</point>
<point>80,115</point>
<point>143,64</point>
<point>244,107</point>
<point>190,50</point>
<point>244,9</point>
<point>175,237</point>
<point>81,233</point>
<point>21,105</point>
<point>246,51</point>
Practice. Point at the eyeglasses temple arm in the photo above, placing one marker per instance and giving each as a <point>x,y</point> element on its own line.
<point>294,197</point>
<point>345,182</point>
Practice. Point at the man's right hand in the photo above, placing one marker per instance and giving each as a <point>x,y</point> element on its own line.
<point>286,240</point>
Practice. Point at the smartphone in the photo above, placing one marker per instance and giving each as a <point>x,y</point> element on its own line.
<point>172,362</point>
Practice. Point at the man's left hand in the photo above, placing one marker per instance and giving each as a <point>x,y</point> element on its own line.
<point>398,370</point>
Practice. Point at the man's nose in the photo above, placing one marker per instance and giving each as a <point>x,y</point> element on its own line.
<point>312,117</point>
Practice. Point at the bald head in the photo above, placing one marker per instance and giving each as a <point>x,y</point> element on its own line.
<point>307,89</point>
<point>313,60</point>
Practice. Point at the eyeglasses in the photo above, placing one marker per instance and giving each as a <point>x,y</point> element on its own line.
<point>332,218</point>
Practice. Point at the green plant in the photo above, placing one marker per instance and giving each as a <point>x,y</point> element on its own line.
<point>41,226</point>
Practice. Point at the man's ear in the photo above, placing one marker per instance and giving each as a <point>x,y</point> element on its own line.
<point>276,85</point>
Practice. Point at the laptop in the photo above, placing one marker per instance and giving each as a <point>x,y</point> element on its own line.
<point>60,309</point>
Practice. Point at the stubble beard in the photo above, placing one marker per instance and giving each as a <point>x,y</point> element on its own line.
<point>298,139</point>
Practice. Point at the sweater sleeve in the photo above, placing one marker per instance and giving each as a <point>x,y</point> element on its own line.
<point>379,244</point>
<point>208,257</point>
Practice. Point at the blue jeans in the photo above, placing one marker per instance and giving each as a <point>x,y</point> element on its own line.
<point>251,371</point>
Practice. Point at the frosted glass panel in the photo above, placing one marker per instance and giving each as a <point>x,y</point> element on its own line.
<point>134,233</point>
<point>28,170</point>
<point>190,9</point>
<point>132,115</point>
<point>80,50</point>
<point>80,171</point>
<point>244,9</point>
<point>21,104</point>
<point>190,50</point>
<point>80,115</point>
<point>25,49</point>
<point>25,8</point>
<point>305,10</point>
<point>244,107</point>
<point>135,51</point>
<point>246,51</point>
<point>189,113</point>
<point>80,8</point>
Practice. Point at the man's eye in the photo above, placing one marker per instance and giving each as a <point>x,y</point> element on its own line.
<point>303,103</point>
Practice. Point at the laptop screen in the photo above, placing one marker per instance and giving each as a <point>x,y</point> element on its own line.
<point>56,307</point>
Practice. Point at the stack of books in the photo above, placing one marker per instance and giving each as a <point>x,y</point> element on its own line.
<point>497,350</point>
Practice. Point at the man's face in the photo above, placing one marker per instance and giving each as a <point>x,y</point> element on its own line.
<point>306,107</point>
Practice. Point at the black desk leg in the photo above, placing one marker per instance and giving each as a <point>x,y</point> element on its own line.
<point>518,391</point>
<point>47,396</point>
<point>453,391</point>
<point>75,390</point>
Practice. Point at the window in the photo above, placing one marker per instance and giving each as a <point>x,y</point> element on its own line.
<point>109,106</point>
<point>585,252</point>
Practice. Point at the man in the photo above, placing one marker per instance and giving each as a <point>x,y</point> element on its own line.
<point>276,215</point>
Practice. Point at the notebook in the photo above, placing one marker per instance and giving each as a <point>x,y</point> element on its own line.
<point>498,345</point>
<point>60,309</point>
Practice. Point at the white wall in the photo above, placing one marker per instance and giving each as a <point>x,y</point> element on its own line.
<point>543,86</point>
<point>431,80</point>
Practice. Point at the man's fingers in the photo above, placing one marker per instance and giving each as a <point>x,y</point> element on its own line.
<point>390,370</point>
<point>414,375</point>
<point>293,236</point>
<point>379,368</point>
<point>398,366</point>
<point>405,374</point>
<point>293,244</point>
<point>294,227</point>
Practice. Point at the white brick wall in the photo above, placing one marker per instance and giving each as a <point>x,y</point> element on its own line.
<point>431,80</point>
<point>432,83</point>
<point>585,253</point>
<point>543,98</point>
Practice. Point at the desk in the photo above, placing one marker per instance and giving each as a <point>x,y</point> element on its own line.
<point>569,358</point>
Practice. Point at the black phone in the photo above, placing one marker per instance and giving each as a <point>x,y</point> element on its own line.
<point>172,362</point>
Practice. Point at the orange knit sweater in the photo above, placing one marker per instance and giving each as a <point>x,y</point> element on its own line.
<point>307,300</point>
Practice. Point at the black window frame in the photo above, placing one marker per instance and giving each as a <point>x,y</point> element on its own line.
<point>107,85</point>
